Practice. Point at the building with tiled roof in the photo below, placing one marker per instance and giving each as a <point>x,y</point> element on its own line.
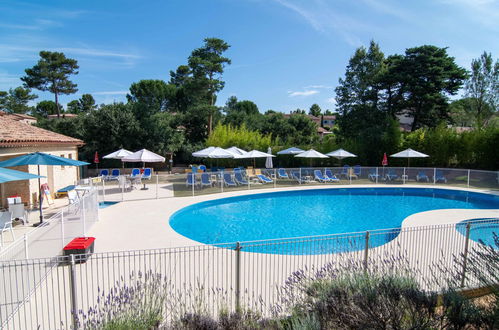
<point>17,137</point>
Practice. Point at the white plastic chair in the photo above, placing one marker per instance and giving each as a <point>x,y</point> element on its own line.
<point>19,212</point>
<point>74,200</point>
<point>6,225</point>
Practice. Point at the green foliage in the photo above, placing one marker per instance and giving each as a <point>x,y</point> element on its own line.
<point>16,100</point>
<point>303,130</point>
<point>84,105</point>
<point>45,108</point>
<point>239,112</point>
<point>315,110</point>
<point>482,88</point>
<point>151,96</point>
<point>51,73</point>
<point>226,136</point>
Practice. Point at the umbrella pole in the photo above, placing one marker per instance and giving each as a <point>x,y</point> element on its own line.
<point>40,199</point>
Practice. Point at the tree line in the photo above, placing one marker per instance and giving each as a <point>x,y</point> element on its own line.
<point>180,115</point>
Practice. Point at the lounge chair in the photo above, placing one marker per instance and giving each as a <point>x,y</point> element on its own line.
<point>328,174</point>
<point>115,174</point>
<point>319,177</point>
<point>205,180</point>
<point>373,176</point>
<point>344,171</point>
<point>299,177</point>
<point>357,170</point>
<point>391,176</point>
<point>282,174</point>
<point>264,178</point>
<point>190,180</point>
<point>18,212</point>
<point>6,225</point>
<point>147,174</point>
<point>351,174</point>
<point>104,173</point>
<point>228,181</point>
<point>422,177</point>
<point>194,169</point>
<point>440,177</point>
<point>238,176</point>
<point>135,173</point>
<point>74,200</point>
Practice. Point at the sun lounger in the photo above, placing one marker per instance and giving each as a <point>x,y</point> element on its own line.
<point>115,174</point>
<point>205,180</point>
<point>191,180</point>
<point>422,177</point>
<point>328,174</point>
<point>147,174</point>
<point>104,173</point>
<point>357,170</point>
<point>282,174</point>
<point>319,177</point>
<point>391,176</point>
<point>345,170</point>
<point>228,181</point>
<point>238,176</point>
<point>373,176</point>
<point>135,173</point>
<point>351,174</point>
<point>264,179</point>
<point>439,177</point>
<point>6,225</point>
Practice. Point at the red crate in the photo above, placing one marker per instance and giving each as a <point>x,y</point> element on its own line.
<point>84,246</point>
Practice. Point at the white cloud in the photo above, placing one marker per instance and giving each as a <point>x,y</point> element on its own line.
<point>331,100</point>
<point>318,87</point>
<point>111,93</point>
<point>303,93</point>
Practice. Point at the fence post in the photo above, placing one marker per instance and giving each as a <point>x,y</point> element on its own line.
<point>157,186</point>
<point>193,175</point>
<point>275,178</point>
<point>434,174</point>
<point>103,190</point>
<point>238,276</point>
<point>62,229</point>
<point>366,252</point>
<point>83,216</point>
<point>469,172</point>
<point>26,255</point>
<point>300,177</point>
<point>222,180</point>
<point>122,180</point>
<point>377,175</point>
<point>72,283</point>
<point>465,255</point>
<point>403,176</point>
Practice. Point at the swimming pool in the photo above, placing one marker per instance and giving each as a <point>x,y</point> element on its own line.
<point>316,212</point>
<point>481,230</point>
<point>103,205</point>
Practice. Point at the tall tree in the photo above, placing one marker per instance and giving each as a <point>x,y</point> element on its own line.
<point>85,104</point>
<point>152,95</point>
<point>427,76</point>
<point>207,66</point>
<point>45,108</point>
<point>482,87</point>
<point>16,100</point>
<point>315,110</point>
<point>51,73</point>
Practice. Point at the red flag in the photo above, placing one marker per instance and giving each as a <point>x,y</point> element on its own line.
<point>96,158</point>
<point>384,162</point>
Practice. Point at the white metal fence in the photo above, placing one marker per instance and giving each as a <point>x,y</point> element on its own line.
<point>44,292</point>
<point>125,187</point>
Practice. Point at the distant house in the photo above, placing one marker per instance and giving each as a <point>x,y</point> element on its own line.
<point>21,117</point>
<point>321,121</point>
<point>63,115</point>
<point>17,137</point>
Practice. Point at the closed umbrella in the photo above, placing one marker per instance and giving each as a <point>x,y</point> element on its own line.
<point>268,161</point>
<point>409,153</point>
<point>40,158</point>
<point>311,154</point>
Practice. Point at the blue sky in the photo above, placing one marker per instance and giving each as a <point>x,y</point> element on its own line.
<point>286,54</point>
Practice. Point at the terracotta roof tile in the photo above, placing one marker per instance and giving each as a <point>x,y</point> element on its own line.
<point>17,133</point>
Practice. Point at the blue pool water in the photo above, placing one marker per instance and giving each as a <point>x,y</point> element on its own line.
<point>481,230</point>
<point>316,212</point>
<point>103,205</point>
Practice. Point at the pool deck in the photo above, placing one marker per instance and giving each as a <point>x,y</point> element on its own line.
<point>144,224</point>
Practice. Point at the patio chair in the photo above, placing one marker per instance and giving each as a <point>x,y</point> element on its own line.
<point>282,174</point>
<point>344,171</point>
<point>19,213</point>
<point>391,176</point>
<point>104,173</point>
<point>6,225</point>
<point>74,201</point>
<point>202,168</point>
<point>205,180</point>
<point>147,175</point>
<point>115,174</point>
<point>373,176</point>
<point>357,170</point>
<point>319,177</point>
<point>135,173</point>
<point>440,177</point>
<point>191,180</point>
<point>264,178</point>
<point>422,177</point>
<point>228,181</point>
<point>238,176</point>
<point>328,174</point>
